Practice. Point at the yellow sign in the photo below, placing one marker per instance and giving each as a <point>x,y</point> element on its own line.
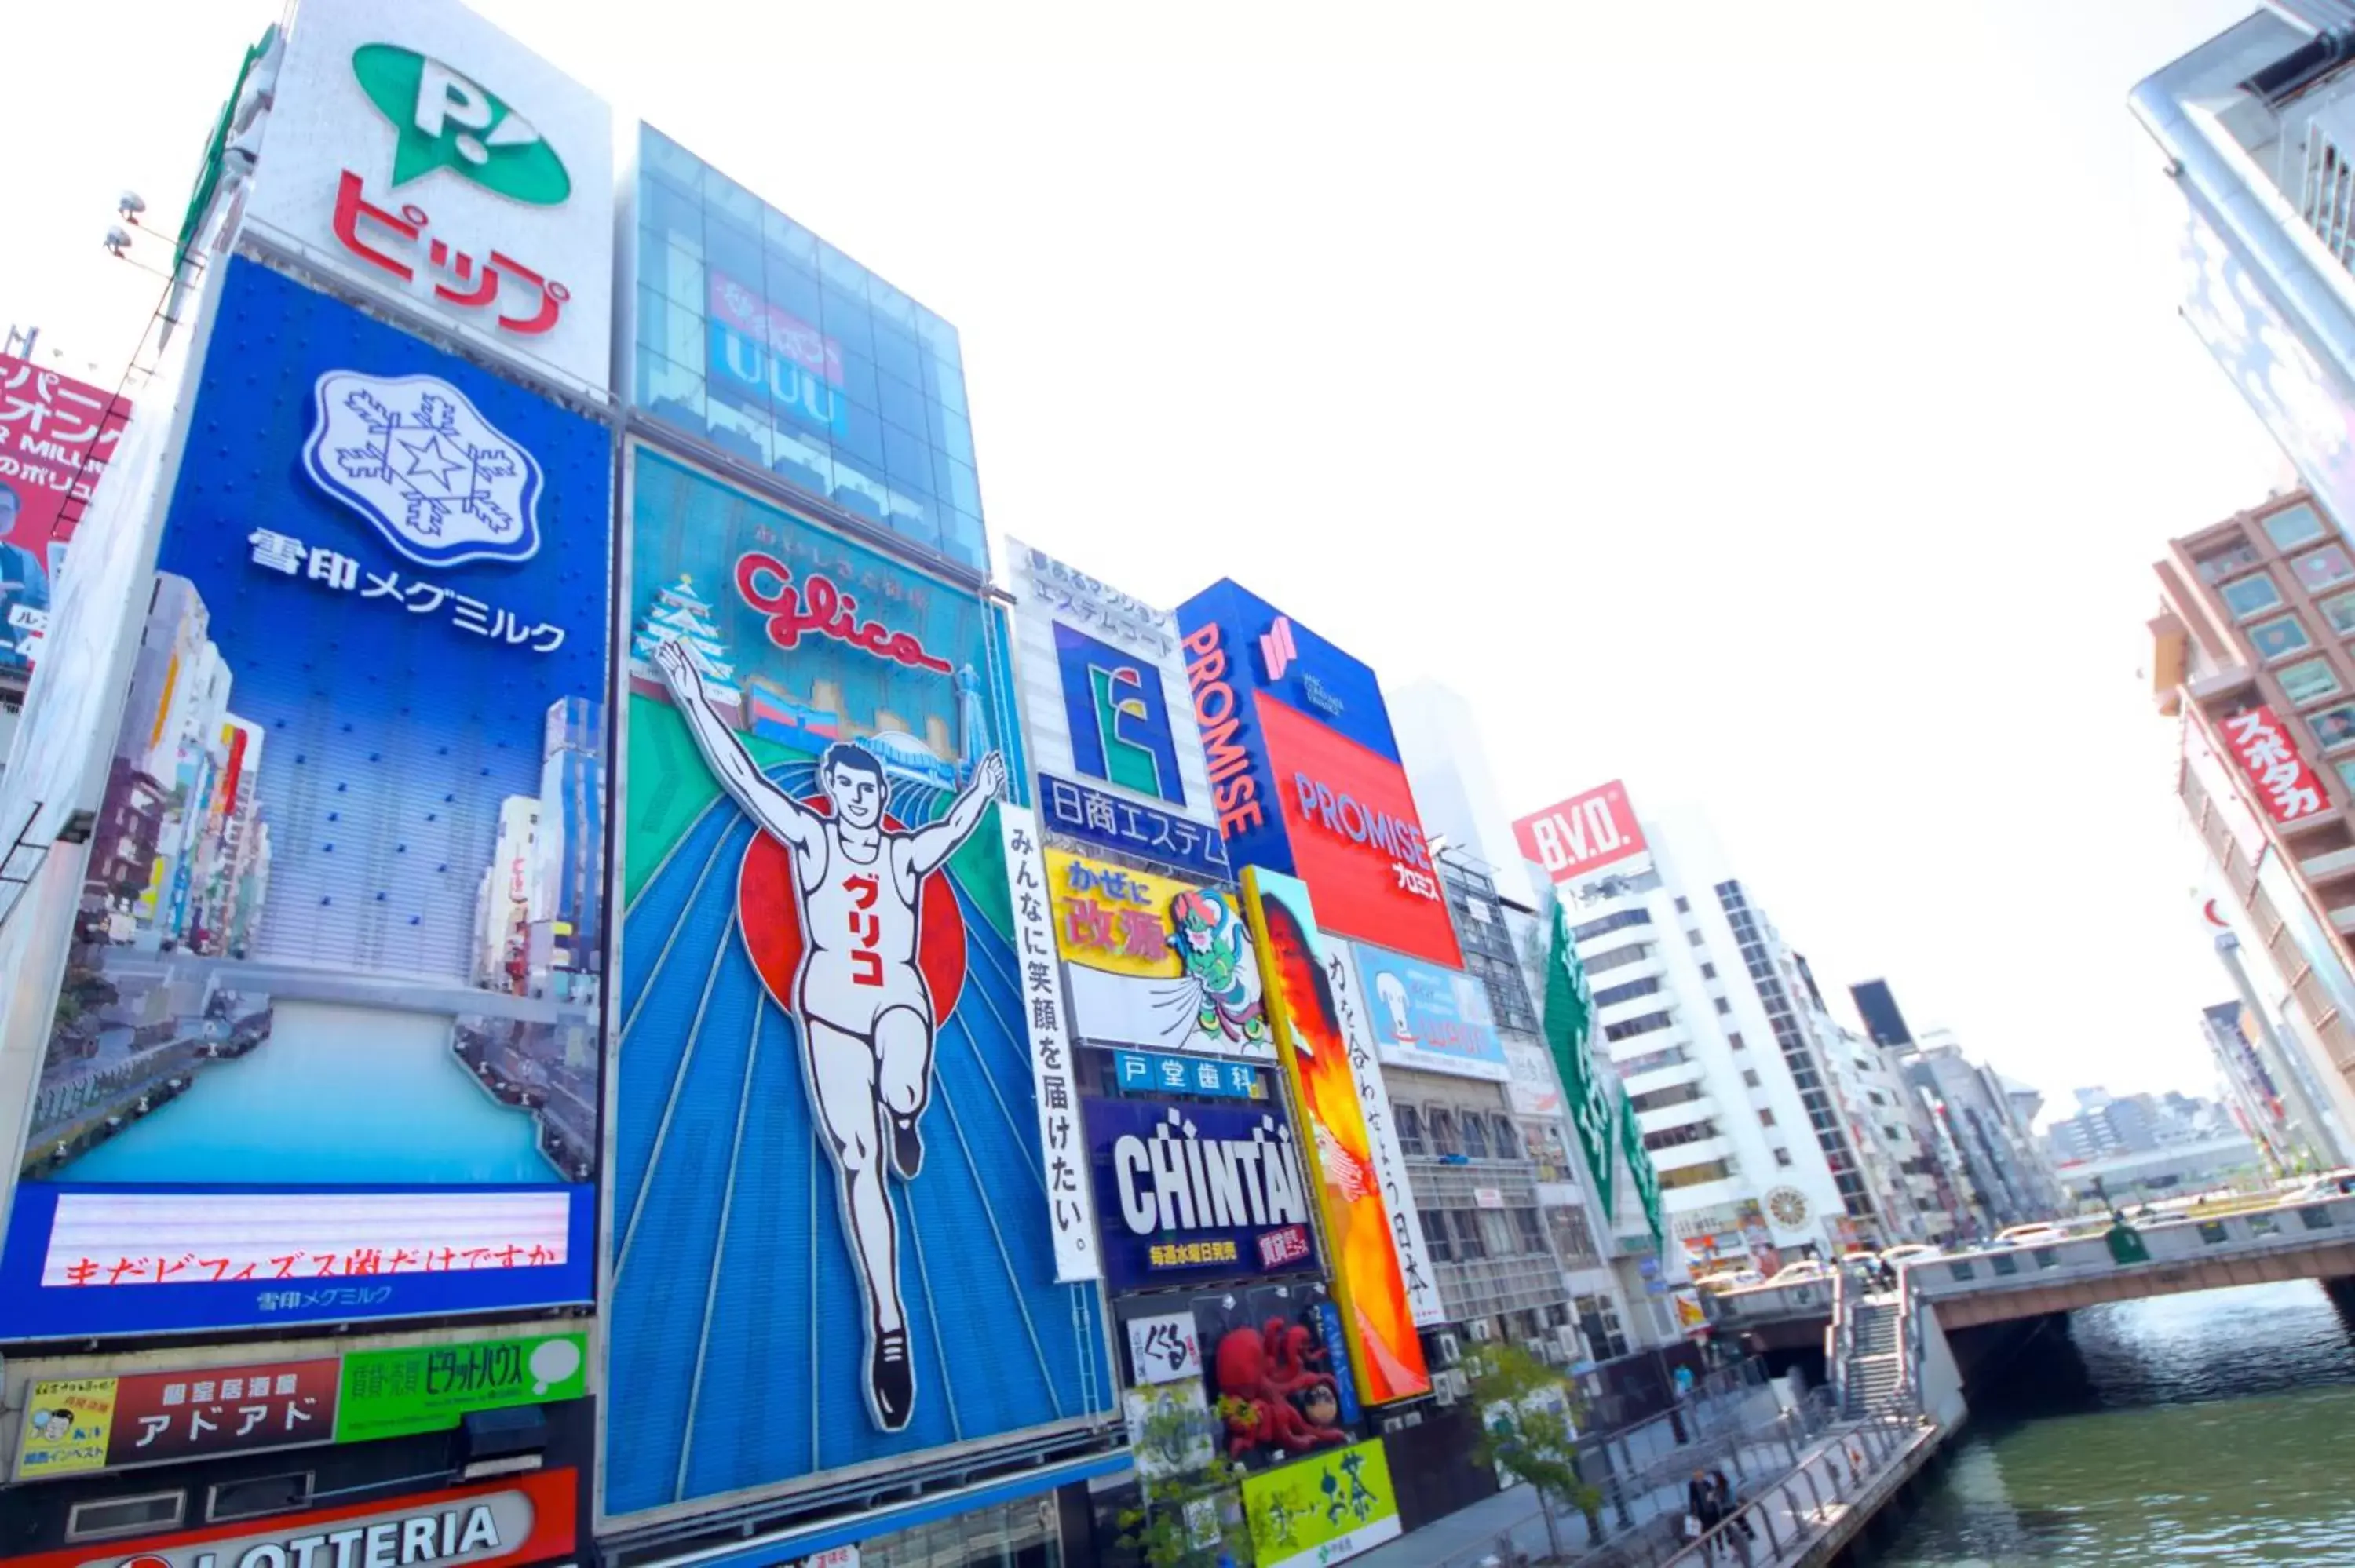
<point>1109,917</point>
<point>66,1427</point>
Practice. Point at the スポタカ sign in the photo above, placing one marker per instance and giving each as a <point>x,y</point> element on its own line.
<point>1189,1193</point>
<point>152,1418</point>
<point>1305,772</point>
<point>2287,785</point>
<point>1583,834</point>
<point>418,151</point>
<point>517,1522</point>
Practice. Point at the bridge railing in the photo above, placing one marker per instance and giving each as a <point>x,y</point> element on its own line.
<point>2193,1237</point>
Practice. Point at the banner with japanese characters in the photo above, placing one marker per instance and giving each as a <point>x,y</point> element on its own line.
<point>848,1166</point>
<point>1120,760</point>
<point>1193,1193</point>
<point>1381,1132</point>
<point>2284,782</point>
<point>304,1066</point>
<point>1322,1509</point>
<point>1156,963</point>
<point>55,435</point>
<point>77,1425</point>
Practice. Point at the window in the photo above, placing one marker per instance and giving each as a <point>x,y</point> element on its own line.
<point>2303,682</point>
<point>1750,1077</point>
<point>1476,1135</point>
<point>1782,1157</point>
<point>1694,937</point>
<point>1724,1008</point>
<point>1435,1234</point>
<point>1619,922</point>
<point>1443,1133</point>
<point>2346,766</point>
<point>1734,1040</point>
<point>2340,613</point>
<point>1634,1026</point>
<point>1410,1128</point>
<point>2333,727</point>
<point>107,1517</point>
<point>2277,639</point>
<point>1531,1229</point>
<point>1467,1233</point>
<point>1508,1140</point>
<point>1495,1232</point>
<point>1708,971</point>
<point>2227,558</point>
<point>2293,527</point>
<point>2326,567</point>
<point>261,1495</point>
<point>1617,956</point>
<point>1652,1062</point>
<point>1573,1239</point>
<point>1766,1116</point>
<point>1684,907</point>
<point>1707,1171</point>
<point>1626,992</point>
<point>2251,596</point>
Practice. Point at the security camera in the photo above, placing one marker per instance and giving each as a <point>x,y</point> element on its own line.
<point>130,205</point>
<point>118,242</point>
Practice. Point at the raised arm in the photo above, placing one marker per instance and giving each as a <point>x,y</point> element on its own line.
<point>928,847</point>
<point>779,814</point>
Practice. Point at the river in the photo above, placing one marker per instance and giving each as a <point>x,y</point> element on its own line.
<point>2202,1428</point>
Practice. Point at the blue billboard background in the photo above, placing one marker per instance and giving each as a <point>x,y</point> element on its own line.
<point>1334,687</point>
<point>328,749</point>
<point>1206,1251</point>
<point>1427,1017</point>
<point>737,1357</point>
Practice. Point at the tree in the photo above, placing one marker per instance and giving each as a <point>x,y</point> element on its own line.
<point>1187,1483</point>
<point>1529,1430</point>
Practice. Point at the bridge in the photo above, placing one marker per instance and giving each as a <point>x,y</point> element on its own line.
<point>440,994</point>
<point>2312,1239</point>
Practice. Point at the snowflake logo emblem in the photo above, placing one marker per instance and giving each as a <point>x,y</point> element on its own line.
<point>420,461</point>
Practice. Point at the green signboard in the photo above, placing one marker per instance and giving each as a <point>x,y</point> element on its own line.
<point>1322,1509</point>
<point>1569,1022</point>
<point>431,1388</point>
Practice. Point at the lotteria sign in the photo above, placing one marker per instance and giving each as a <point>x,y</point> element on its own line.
<point>1304,772</point>
<point>519,1520</point>
<point>418,151</point>
<point>1583,834</point>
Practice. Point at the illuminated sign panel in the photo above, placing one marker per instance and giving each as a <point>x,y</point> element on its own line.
<point>1151,962</point>
<point>1304,772</point>
<point>285,1081</point>
<point>1582,834</point>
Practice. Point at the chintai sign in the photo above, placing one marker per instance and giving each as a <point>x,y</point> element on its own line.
<point>1196,1191</point>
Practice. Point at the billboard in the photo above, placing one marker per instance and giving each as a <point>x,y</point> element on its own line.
<point>1104,697</point>
<point>2285,784</point>
<point>1156,963</point>
<point>1368,1278</point>
<point>1274,1364</point>
<point>418,151</point>
<point>1349,1011</point>
<point>1305,773</point>
<point>837,1202</point>
<point>1430,1019</point>
<point>1581,835</point>
<point>511,1523</point>
<point>55,435</point>
<point>75,1425</point>
<point>282,1086</point>
<point>1324,1510</point>
<point>1190,1193</point>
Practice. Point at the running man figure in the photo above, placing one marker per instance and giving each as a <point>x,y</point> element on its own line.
<point>866,1010</point>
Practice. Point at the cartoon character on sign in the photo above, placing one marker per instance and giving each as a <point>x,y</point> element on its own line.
<point>1393,998</point>
<point>860,990</point>
<point>1260,1373</point>
<point>1215,948</point>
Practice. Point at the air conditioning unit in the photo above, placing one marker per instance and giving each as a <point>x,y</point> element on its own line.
<point>1480,1331</point>
<point>1458,1384</point>
<point>1568,1334</point>
<point>1544,1347</point>
<point>1443,1387</point>
<point>1450,1349</point>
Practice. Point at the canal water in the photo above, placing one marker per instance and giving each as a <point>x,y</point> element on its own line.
<point>2207,1428</point>
<point>340,1095</point>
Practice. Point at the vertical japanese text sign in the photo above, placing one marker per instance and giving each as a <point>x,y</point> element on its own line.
<point>1062,1150</point>
<point>1389,1162</point>
<point>1385,1356</point>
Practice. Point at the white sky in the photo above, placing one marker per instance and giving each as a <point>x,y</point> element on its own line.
<point>1779,406</point>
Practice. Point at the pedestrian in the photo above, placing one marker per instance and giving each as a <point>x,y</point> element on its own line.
<point>1744,1532</point>
<point>1704,1508</point>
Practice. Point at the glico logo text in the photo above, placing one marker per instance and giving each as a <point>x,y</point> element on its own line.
<point>1234,788</point>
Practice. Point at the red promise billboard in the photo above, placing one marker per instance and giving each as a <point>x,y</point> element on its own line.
<point>1582,834</point>
<point>1356,837</point>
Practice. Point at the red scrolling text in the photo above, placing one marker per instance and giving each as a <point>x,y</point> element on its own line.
<point>823,608</point>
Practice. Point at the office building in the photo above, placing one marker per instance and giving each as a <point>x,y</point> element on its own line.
<point>2250,659</point>
<point>2005,1176</point>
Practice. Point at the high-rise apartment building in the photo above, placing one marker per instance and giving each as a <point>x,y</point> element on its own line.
<point>1983,1124</point>
<point>2250,657</point>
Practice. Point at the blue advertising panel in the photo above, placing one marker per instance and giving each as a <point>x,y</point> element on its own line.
<point>1273,653</point>
<point>1428,1018</point>
<point>1188,1193</point>
<point>831,1239</point>
<point>324,1050</point>
<point>1152,1073</point>
<point>1110,822</point>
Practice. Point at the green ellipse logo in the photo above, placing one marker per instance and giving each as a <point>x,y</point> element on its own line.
<point>444,121</point>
